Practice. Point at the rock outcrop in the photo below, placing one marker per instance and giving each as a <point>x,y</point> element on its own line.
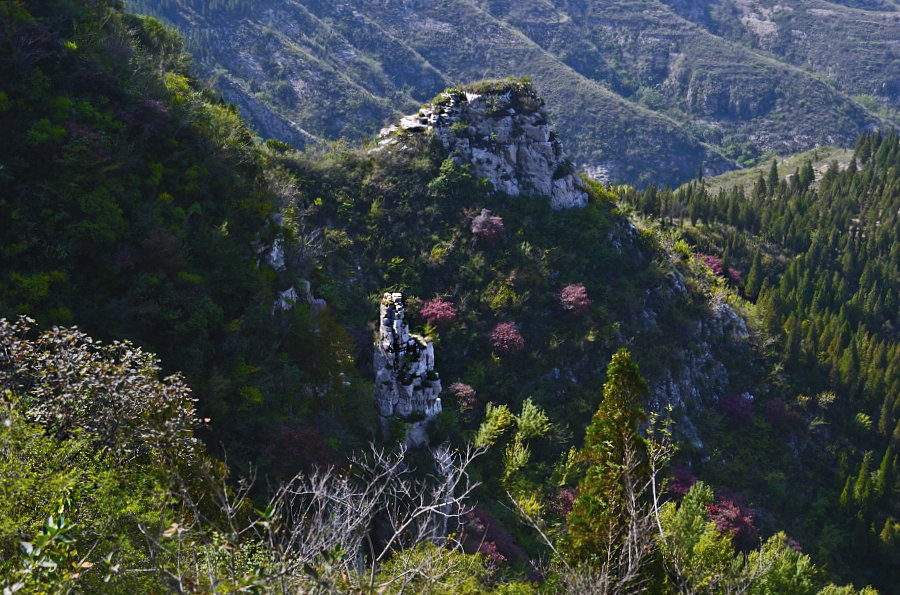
<point>501,129</point>
<point>406,385</point>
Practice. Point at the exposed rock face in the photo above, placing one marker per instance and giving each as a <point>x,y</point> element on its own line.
<point>506,137</point>
<point>286,299</point>
<point>406,384</point>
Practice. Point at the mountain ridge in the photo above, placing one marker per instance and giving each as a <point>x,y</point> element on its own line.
<point>608,102</point>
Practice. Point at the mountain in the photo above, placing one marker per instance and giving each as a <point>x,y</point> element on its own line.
<point>576,341</point>
<point>851,44</point>
<point>639,92</point>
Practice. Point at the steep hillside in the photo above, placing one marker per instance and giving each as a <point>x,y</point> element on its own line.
<point>140,208</point>
<point>818,254</point>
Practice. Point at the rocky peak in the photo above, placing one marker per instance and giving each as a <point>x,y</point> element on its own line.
<point>501,129</point>
<point>406,384</point>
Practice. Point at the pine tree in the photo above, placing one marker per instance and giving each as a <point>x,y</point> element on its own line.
<point>884,482</point>
<point>759,189</point>
<point>598,514</point>
<point>772,180</point>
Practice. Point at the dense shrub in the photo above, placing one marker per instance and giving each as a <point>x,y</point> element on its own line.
<point>574,300</point>
<point>682,481</point>
<point>737,408</point>
<point>506,339</point>
<point>465,395</point>
<point>736,521</point>
<point>438,313</point>
<point>488,228</point>
<point>562,501</point>
<point>713,262</point>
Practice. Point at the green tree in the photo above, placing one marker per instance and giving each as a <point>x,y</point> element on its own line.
<point>772,180</point>
<point>614,453</point>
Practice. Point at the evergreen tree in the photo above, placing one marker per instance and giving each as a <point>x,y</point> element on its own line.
<point>759,189</point>
<point>772,180</point>
<point>597,520</point>
<point>884,482</point>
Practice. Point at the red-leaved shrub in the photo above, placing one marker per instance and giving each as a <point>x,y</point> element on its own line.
<point>563,501</point>
<point>489,550</point>
<point>737,521</point>
<point>574,299</point>
<point>484,533</point>
<point>488,228</point>
<point>507,339</point>
<point>438,312</point>
<point>713,262</point>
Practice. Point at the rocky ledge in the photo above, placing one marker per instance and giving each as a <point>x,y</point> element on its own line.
<point>501,129</point>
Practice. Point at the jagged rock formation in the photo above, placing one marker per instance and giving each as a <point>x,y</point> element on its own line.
<point>502,130</point>
<point>406,384</point>
<point>289,297</point>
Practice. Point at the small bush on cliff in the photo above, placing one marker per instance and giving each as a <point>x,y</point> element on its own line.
<point>438,313</point>
<point>506,339</point>
<point>488,228</point>
<point>574,300</point>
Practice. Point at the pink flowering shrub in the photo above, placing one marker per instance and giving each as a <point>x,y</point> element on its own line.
<point>713,262</point>
<point>506,338</point>
<point>438,312</point>
<point>488,228</point>
<point>484,533</point>
<point>738,409</point>
<point>489,550</point>
<point>574,299</point>
<point>465,395</point>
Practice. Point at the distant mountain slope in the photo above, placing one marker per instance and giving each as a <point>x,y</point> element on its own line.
<point>855,43</point>
<point>639,92</point>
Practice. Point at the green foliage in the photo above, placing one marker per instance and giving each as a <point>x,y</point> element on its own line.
<point>139,207</point>
<point>497,420</point>
<point>611,445</point>
<point>92,447</point>
<point>821,267</point>
<point>532,422</point>
<point>705,561</point>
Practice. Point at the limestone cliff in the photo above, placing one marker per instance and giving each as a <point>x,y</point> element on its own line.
<point>406,385</point>
<point>501,129</point>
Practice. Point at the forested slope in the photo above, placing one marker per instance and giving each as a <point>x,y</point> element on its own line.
<point>821,260</point>
<point>141,209</point>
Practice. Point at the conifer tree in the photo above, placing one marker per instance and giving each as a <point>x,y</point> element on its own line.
<point>772,180</point>
<point>597,519</point>
<point>754,278</point>
<point>884,482</point>
<point>759,189</point>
